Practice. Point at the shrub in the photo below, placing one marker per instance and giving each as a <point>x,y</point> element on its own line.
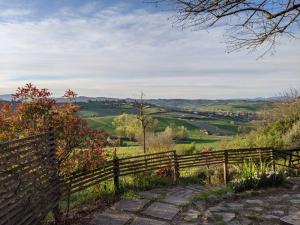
<point>177,132</point>
<point>186,149</point>
<point>165,171</point>
<point>159,142</point>
<point>256,182</point>
<point>292,137</point>
<point>148,180</point>
<point>78,145</point>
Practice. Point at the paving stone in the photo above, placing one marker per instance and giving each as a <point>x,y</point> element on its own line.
<point>147,221</point>
<point>195,187</point>
<point>218,208</point>
<point>254,202</point>
<point>201,205</point>
<point>234,222</point>
<point>256,209</point>
<point>279,207</point>
<point>111,217</point>
<point>212,199</point>
<point>295,201</point>
<point>295,187</point>
<point>179,196</point>
<point>293,210</point>
<point>150,194</point>
<point>245,221</point>
<point>161,210</point>
<point>185,223</point>
<point>296,196</point>
<point>235,206</point>
<point>226,217</point>
<point>291,219</point>
<point>229,195</point>
<point>130,205</point>
<point>285,196</point>
<point>270,217</point>
<point>277,212</point>
<point>191,215</point>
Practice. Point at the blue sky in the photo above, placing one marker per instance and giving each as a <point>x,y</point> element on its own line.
<point>119,48</point>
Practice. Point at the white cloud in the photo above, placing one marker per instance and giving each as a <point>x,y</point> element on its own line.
<point>113,52</point>
<point>14,12</point>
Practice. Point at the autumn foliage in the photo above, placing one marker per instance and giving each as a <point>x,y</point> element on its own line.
<point>33,111</point>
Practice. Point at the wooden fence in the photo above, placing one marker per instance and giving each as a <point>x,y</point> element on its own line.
<point>30,185</point>
<point>28,180</point>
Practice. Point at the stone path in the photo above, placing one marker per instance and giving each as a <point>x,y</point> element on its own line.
<point>170,206</point>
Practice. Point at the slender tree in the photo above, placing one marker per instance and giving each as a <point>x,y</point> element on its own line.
<point>144,119</point>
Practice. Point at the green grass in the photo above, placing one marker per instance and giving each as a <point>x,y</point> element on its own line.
<point>95,108</point>
<point>104,123</point>
<point>220,191</point>
<point>165,121</point>
<point>213,105</point>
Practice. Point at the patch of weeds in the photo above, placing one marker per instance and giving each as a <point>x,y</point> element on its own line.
<point>254,216</point>
<point>130,194</point>
<point>190,180</point>
<point>255,182</point>
<point>218,220</point>
<point>216,192</point>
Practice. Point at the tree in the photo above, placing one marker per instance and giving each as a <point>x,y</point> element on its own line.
<point>177,132</point>
<point>127,126</point>
<point>252,23</point>
<point>78,145</point>
<point>145,120</point>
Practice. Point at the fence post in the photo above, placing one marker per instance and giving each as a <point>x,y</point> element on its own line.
<point>55,178</point>
<point>116,173</point>
<point>225,167</point>
<point>176,173</point>
<point>290,163</point>
<point>273,160</point>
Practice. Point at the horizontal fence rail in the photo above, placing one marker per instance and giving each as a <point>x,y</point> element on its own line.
<point>30,185</point>
<point>28,190</point>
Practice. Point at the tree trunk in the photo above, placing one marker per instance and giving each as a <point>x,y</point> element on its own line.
<point>144,139</point>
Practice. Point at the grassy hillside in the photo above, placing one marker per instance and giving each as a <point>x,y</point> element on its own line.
<point>212,105</point>
<point>96,108</point>
<point>104,122</point>
<point>205,130</point>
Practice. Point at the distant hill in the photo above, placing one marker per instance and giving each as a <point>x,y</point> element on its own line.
<point>230,105</point>
<point>204,105</point>
<point>7,98</point>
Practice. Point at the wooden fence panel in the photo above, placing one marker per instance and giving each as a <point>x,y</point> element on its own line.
<point>27,172</point>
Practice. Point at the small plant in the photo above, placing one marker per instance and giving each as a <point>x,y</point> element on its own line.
<point>265,180</point>
<point>165,171</point>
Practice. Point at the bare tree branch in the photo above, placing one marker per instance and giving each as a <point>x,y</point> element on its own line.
<point>253,23</point>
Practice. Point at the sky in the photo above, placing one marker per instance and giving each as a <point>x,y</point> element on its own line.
<point>119,48</point>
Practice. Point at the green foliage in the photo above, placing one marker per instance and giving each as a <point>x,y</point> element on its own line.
<point>215,192</point>
<point>176,132</point>
<point>187,149</point>
<point>259,181</point>
<point>148,180</point>
<point>292,137</point>
<point>269,136</point>
<point>281,127</point>
<point>104,122</point>
<point>127,126</point>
